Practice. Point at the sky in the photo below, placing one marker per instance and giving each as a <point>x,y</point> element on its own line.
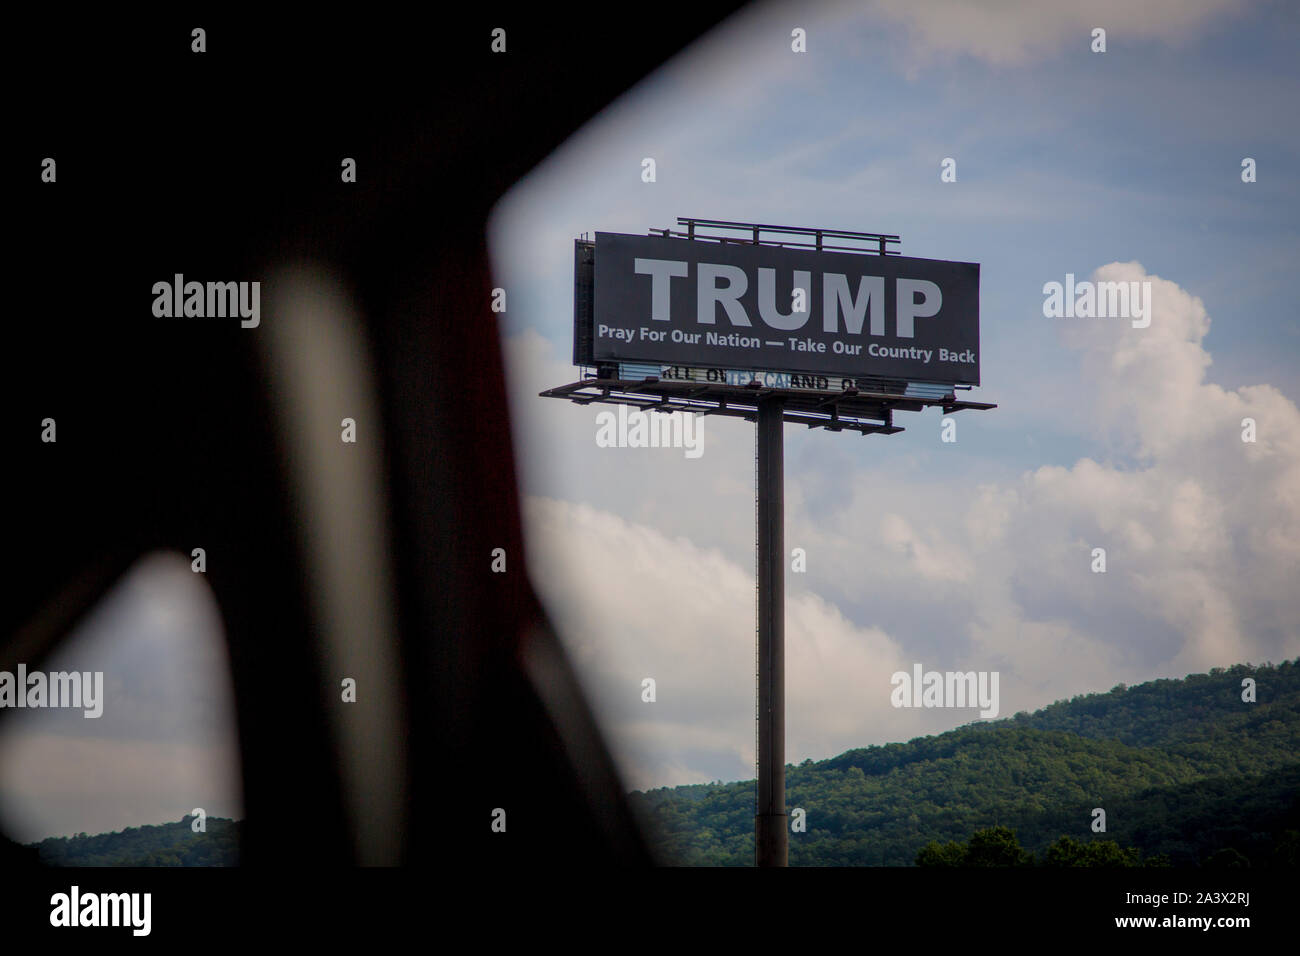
<point>165,743</point>
<point>975,554</point>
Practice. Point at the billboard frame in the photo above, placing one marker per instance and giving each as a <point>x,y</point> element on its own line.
<point>737,339</point>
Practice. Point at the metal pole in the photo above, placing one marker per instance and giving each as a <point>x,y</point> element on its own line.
<point>771,833</point>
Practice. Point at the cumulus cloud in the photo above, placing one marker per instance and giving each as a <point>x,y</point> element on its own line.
<point>1200,527</point>
<point>633,603</point>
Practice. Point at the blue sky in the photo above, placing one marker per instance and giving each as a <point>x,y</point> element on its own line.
<point>973,554</point>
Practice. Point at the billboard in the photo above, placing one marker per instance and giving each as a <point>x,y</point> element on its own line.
<point>682,302</point>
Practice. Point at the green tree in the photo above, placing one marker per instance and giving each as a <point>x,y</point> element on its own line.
<point>996,846</point>
<point>1227,859</point>
<point>1066,851</point>
<point>935,853</point>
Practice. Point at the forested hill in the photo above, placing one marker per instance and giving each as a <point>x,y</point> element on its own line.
<point>169,844</point>
<point>1183,769</point>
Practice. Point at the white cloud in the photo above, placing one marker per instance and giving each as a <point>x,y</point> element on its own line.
<point>1201,533</point>
<point>632,602</point>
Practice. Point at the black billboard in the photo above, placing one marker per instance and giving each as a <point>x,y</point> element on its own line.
<point>656,299</point>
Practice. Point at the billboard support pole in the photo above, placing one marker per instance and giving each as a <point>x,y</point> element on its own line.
<point>771,832</point>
